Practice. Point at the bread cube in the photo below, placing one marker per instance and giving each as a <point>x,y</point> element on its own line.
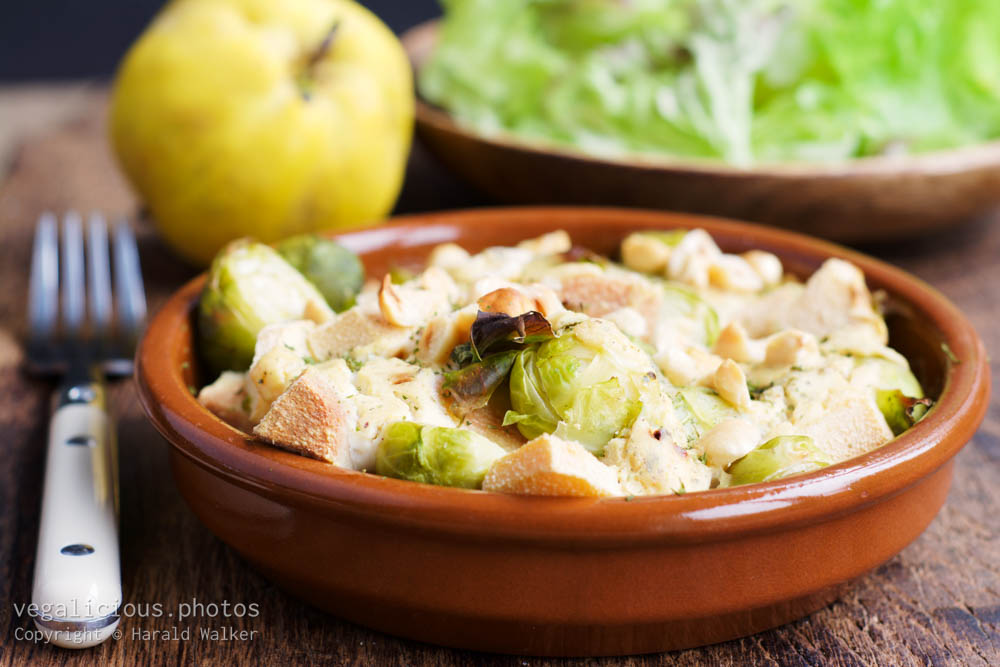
<point>851,425</point>
<point>226,398</point>
<point>309,418</point>
<point>551,466</point>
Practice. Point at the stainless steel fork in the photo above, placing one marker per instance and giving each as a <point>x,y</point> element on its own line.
<point>75,332</point>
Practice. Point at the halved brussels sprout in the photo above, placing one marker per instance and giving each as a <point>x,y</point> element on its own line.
<point>779,457</point>
<point>898,393</point>
<point>249,286</point>
<point>335,271</point>
<point>893,375</point>
<point>435,455</point>
<point>683,302</point>
<point>700,409</point>
<point>901,411</point>
<point>578,390</point>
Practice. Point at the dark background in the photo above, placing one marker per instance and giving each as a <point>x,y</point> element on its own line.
<point>73,39</point>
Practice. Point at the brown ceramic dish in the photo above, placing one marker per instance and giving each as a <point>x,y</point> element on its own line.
<point>864,200</point>
<point>571,576</point>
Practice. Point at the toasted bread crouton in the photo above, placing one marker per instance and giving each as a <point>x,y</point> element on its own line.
<point>597,295</point>
<point>850,426</point>
<point>293,336</point>
<point>732,272</point>
<point>551,466</point>
<point>766,264</point>
<point>354,328</point>
<point>436,341</point>
<point>769,313</point>
<point>691,259</point>
<point>546,300</point>
<point>309,418</point>
<point>503,263</point>
<point>226,399</point>
<point>833,299</point>
<point>394,380</point>
<point>279,357</point>
<point>836,296</point>
<point>416,301</point>
<point>270,375</point>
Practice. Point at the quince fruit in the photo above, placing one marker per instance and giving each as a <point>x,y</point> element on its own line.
<point>260,118</point>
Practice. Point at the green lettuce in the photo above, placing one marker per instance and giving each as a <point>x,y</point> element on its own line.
<point>744,81</point>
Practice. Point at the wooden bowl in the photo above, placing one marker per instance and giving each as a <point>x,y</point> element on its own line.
<point>565,576</point>
<point>858,201</point>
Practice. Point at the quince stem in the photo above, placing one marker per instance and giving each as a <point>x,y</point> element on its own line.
<point>320,52</point>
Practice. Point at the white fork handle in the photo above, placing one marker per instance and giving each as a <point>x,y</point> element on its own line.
<point>77,590</point>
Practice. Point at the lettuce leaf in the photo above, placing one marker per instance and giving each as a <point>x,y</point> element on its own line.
<point>744,81</point>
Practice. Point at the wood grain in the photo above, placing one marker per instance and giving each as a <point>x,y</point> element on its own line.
<point>936,603</point>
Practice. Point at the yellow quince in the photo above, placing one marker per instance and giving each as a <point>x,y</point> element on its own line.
<point>260,118</point>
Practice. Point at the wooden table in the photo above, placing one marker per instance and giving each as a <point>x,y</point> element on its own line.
<point>937,603</point>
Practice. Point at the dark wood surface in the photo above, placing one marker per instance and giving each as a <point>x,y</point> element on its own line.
<point>936,603</point>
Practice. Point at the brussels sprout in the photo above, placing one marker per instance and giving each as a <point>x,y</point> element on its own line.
<point>898,394</point>
<point>700,409</point>
<point>533,413</point>
<point>249,286</point>
<point>683,302</point>
<point>578,391</point>
<point>435,455</point>
<point>893,375</point>
<point>901,411</point>
<point>778,457</point>
<point>335,271</point>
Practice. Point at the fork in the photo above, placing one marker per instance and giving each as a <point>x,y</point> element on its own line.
<point>76,595</point>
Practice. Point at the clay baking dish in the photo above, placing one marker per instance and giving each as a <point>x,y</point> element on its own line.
<point>571,576</point>
<point>856,201</point>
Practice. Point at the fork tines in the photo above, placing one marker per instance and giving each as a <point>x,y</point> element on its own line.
<point>70,313</point>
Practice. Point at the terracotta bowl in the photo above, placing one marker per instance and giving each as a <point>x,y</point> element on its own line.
<point>863,200</point>
<point>570,576</point>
